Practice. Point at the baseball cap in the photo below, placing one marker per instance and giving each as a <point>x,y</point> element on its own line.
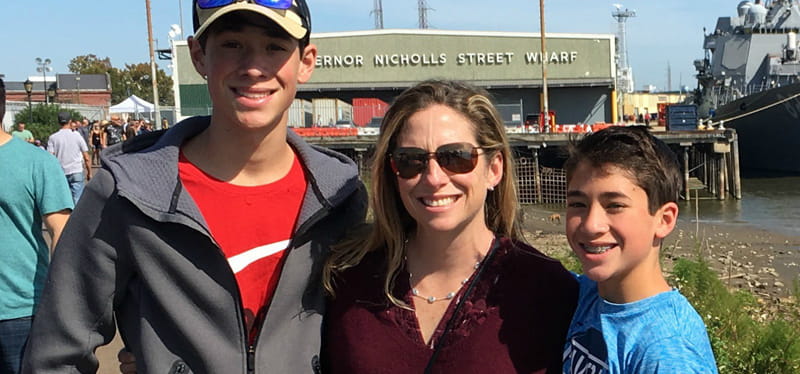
<point>296,20</point>
<point>63,117</point>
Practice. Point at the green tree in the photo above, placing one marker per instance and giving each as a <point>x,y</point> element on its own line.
<point>141,83</point>
<point>89,64</point>
<point>45,119</point>
<point>134,79</point>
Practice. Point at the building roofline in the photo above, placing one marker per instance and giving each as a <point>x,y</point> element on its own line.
<point>339,34</point>
<point>323,35</point>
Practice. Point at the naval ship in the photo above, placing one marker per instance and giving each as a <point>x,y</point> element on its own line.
<point>749,80</point>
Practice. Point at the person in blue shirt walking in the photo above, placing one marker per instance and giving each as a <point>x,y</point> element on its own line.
<point>33,194</point>
<point>622,189</point>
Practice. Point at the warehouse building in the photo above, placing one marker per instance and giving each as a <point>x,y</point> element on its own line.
<point>358,73</point>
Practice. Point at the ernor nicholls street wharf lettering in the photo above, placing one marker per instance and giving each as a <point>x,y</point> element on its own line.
<point>441,59</point>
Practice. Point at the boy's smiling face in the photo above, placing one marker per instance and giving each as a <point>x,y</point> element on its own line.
<point>610,228</point>
<point>252,74</point>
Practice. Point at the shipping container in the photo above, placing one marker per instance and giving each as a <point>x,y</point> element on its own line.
<point>301,113</point>
<point>328,111</point>
<point>367,108</point>
<point>682,117</point>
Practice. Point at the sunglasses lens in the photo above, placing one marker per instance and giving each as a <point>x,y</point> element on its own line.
<point>408,162</point>
<point>275,4</point>
<point>207,4</point>
<point>457,158</point>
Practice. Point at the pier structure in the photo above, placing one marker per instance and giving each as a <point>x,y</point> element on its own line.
<point>710,162</point>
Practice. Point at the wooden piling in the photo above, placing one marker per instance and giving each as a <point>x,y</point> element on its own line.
<point>737,176</point>
<point>721,191</point>
<point>537,176</point>
<point>686,173</point>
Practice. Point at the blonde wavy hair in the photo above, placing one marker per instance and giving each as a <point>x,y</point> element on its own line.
<point>392,223</point>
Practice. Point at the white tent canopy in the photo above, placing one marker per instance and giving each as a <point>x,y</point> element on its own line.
<point>133,104</point>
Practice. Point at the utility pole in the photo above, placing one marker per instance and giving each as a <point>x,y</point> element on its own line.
<point>545,105</point>
<point>157,118</point>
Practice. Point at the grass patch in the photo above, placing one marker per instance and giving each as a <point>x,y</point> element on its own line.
<point>745,339</point>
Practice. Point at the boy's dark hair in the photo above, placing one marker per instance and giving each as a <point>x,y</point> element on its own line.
<point>652,165</point>
<point>2,100</point>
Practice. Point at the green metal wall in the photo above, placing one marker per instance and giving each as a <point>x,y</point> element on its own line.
<point>358,58</point>
<point>383,59</point>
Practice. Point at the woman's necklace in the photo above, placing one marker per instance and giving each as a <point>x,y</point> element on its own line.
<point>433,299</point>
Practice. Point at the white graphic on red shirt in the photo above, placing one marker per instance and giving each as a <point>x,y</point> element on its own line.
<point>242,260</point>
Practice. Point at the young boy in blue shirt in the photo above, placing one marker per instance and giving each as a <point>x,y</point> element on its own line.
<point>622,189</point>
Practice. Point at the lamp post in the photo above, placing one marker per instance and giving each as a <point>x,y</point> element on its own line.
<point>78,83</point>
<point>28,89</point>
<point>44,67</point>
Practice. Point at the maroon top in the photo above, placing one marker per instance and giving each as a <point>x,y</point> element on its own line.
<point>515,320</point>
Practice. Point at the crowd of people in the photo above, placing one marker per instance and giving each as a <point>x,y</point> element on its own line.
<point>228,244</point>
<point>97,134</point>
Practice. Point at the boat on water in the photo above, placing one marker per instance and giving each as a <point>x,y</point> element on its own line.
<point>749,80</point>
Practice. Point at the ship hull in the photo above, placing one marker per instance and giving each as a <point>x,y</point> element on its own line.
<point>768,128</point>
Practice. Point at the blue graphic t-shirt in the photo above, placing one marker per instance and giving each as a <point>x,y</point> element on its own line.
<point>659,334</point>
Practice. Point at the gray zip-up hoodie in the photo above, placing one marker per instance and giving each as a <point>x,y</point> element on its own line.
<point>137,249</point>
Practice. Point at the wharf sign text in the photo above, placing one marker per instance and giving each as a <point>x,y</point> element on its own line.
<point>441,59</point>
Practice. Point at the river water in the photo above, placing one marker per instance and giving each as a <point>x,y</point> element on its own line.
<point>768,203</point>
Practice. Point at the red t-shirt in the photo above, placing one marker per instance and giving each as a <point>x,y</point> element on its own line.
<point>252,225</point>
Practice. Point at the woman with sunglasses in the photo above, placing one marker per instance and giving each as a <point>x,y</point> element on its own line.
<point>442,281</point>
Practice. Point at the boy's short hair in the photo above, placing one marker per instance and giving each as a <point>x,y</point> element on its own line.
<point>650,163</point>
<point>2,100</point>
<point>295,22</point>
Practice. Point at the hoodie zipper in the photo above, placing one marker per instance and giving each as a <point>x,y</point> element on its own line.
<point>251,347</point>
<point>251,358</point>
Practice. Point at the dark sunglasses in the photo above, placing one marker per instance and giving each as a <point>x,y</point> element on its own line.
<point>274,4</point>
<point>457,158</point>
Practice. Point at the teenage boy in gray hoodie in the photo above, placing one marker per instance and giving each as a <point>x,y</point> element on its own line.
<point>205,242</point>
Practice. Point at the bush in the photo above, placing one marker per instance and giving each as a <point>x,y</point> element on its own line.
<point>45,119</point>
<point>741,344</point>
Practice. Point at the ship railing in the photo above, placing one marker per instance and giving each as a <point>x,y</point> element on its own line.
<point>721,95</point>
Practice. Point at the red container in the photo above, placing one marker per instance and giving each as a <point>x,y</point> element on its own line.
<point>365,108</point>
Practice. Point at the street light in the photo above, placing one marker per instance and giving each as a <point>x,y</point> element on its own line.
<point>78,82</point>
<point>44,67</point>
<point>28,89</point>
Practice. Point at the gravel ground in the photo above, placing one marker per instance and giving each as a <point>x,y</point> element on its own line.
<point>763,262</point>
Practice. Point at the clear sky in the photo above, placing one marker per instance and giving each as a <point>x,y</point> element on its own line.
<point>663,33</point>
